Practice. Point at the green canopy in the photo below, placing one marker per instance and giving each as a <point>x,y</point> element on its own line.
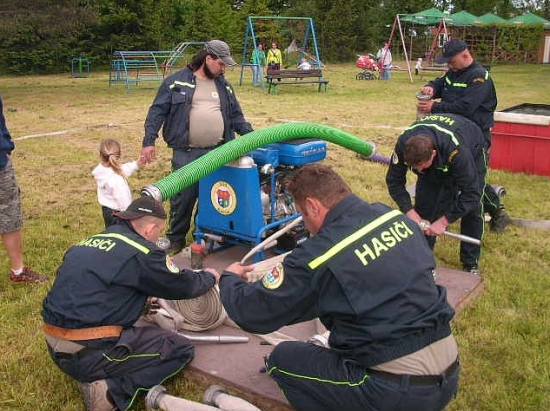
<point>429,17</point>
<point>529,18</point>
<point>490,18</point>
<point>463,18</point>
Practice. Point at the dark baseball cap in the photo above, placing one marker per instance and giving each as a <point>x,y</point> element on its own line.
<point>142,207</point>
<point>220,49</point>
<point>451,49</point>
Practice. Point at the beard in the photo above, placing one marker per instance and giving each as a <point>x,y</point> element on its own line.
<point>207,72</point>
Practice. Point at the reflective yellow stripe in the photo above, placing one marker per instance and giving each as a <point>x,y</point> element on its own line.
<point>128,241</point>
<point>438,127</point>
<point>335,249</point>
<point>181,83</point>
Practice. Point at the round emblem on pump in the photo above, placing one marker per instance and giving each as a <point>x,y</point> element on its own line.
<point>223,197</point>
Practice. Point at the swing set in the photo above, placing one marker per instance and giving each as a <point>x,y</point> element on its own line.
<point>132,68</point>
<point>297,32</point>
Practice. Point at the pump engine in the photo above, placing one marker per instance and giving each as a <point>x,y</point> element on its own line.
<point>246,200</point>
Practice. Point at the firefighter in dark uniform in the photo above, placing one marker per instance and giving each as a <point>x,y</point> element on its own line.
<point>101,289</point>
<point>467,89</point>
<point>366,273</point>
<point>446,152</point>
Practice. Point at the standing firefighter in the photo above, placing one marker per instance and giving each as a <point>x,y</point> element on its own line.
<point>197,110</point>
<point>468,90</point>
<point>446,152</point>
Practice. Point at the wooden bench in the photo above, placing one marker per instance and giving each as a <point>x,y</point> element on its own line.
<point>284,77</point>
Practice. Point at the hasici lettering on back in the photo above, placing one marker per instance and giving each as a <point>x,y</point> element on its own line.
<point>374,247</point>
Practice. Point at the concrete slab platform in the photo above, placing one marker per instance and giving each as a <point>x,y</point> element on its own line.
<point>239,367</point>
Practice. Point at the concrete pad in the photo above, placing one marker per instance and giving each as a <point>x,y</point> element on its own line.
<point>239,366</point>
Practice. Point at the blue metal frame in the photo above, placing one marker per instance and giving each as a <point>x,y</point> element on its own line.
<point>135,67</point>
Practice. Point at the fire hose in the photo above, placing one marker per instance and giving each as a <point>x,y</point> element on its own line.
<point>175,182</point>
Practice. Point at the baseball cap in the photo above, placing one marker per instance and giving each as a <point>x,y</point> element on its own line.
<point>221,49</point>
<point>451,49</point>
<point>141,207</point>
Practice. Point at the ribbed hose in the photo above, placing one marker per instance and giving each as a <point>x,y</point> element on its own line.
<point>173,183</point>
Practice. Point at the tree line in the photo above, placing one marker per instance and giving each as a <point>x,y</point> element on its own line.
<point>42,36</point>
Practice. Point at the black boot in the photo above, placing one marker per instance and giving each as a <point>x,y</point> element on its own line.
<point>499,220</point>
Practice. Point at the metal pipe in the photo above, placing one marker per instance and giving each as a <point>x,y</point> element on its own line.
<point>425,224</point>
<point>462,237</point>
<point>271,238</point>
<point>220,339</point>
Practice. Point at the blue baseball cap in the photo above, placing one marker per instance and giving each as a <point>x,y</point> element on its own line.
<point>451,49</point>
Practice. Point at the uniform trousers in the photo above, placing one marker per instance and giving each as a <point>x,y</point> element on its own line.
<point>183,203</point>
<point>433,199</point>
<point>315,378</point>
<point>491,200</point>
<point>141,358</point>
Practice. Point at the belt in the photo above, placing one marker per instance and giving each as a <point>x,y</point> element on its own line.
<point>415,379</point>
<point>81,334</point>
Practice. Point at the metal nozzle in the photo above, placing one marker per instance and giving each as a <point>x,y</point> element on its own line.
<point>152,191</point>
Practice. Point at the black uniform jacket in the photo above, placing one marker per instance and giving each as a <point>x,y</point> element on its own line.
<point>459,144</point>
<point>367,274</point>
<point>106,279</point>
<point>469,92</point>
<point>172,104</point>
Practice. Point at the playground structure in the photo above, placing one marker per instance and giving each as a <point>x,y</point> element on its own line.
<point>80,67</point>
<point>297,32</point>
<point>134,67</point>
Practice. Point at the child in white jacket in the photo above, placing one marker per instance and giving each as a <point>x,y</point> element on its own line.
<point>113,191</point>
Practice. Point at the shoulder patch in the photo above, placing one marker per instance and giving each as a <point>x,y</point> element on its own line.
<point>172,267</point>
<point>451,156</point>
<point>274,278</point>
<point>394,158</point>
<point>478,80</point>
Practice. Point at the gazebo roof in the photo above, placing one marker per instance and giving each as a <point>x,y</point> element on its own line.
<point>529,18</point>
<point>491,18</point>
<point>463,18</point>
<point>428,17</point>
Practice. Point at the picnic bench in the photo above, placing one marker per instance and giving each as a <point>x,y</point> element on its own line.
<point>276,78</point>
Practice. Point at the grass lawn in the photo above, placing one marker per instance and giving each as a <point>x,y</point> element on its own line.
<point>58,122</point>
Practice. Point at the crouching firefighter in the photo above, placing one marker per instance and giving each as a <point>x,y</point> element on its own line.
<point>366,273</point>
<point>101,289</point>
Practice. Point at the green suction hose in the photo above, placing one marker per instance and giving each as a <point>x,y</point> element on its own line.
<point>173,183</point>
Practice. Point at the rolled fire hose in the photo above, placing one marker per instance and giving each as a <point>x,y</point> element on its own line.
<point>175,182</point>
<point>202,313</point>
